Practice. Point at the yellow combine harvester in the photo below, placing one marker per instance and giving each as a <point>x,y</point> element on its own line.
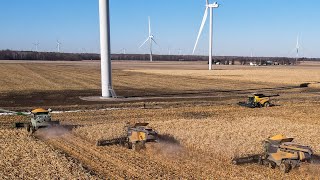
<point>280,151</point>
<point>136,136</point>
<point>258,101</point>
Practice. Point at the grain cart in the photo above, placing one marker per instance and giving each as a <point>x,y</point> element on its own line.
<point>135,137</point>
<point>279,151</point>
<point>258,101</point>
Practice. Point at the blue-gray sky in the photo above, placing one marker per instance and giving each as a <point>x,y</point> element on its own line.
<point>263,27</point>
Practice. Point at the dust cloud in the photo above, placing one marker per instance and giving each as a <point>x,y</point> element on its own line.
<point>51,133</point>
<point>167,146</point>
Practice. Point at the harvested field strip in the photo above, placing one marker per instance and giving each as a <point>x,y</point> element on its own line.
<point>21,156</point>
<point>147,167</point>
<point>94,157</point>
<point>262,75</point>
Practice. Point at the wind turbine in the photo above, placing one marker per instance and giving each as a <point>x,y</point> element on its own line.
<point>150,39</point>
<point>36,45</point>
<point>123,51</point>
<point>58,45</point>
<point>208,6</point>
<point>297,49</point>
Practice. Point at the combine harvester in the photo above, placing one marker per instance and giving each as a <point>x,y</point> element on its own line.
<point>136,136</point>
<point>39,118</point>
<point>258,101</point>
<point>280,151</point>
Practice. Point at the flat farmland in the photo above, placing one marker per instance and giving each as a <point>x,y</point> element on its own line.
<point>199,114</point>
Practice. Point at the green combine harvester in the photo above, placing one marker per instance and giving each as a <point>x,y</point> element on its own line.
<point>39,118</point>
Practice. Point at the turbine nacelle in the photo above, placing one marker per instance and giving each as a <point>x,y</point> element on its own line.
<point>214,5</point>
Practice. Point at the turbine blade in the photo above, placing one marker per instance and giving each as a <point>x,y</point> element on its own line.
<point>207,2</point>
<point>154,41</point>
<point>144,42</point>
<point>201,28</point>
<point>149,26</point>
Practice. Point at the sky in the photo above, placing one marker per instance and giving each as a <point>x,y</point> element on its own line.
<point>241,28</point>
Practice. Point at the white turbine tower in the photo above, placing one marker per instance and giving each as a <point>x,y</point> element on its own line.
<point>105,48</point>
<point>58,46</point>
<point>150,39</point>
<point>297,49</point>
<point>208,6</point>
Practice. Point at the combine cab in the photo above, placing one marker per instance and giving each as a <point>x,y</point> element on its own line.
<point>258,101</point>
<point>280,151</point>
<point>136,136</point>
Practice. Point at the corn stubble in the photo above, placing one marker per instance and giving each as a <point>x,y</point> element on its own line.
<point>24,158</point>
<point>208,136</point>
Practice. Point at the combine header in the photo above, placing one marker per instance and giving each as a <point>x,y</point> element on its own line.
<point>135,138</point>
<point>279,151</point>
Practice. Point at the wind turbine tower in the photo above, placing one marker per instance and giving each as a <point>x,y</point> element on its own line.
<point>105,48</point>
<point>58,46</point>
<point>297,49</point>
<point>210,7</point>
<point>150,39</point>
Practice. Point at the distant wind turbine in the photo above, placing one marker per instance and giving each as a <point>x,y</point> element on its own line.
<point>123,51</point>
<point>36,46</point>
<point>297,49</point>
<point>208,6</point>
<point>150,39</point>
<point>58,46</point>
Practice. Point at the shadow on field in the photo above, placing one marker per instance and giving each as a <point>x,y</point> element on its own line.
<point>45,98</point>
<point>70,98</point>
<point>155,92</point>
<point>316,159</point>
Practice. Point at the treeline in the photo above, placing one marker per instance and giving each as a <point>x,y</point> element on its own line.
<point>54,56</point>
<point>215,59</point>
<point>46,56</point>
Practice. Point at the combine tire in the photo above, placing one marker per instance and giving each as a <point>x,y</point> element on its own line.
<point>259,105</point>
<point>28,128</point>
<point>272,165</point>
<point>234,162</point>
<point>129,145</point>
<point>32,130</point>
<point>137,146</point>
<point>260,160</point>
<point>285,167</point>
<point>134,146</point>
<point>266,104</point>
